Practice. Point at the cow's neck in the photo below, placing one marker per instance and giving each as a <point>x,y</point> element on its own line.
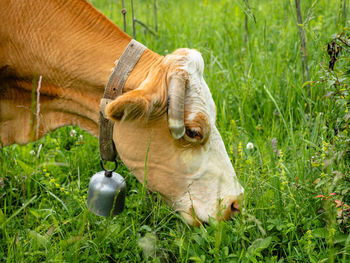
<point>73,48</point>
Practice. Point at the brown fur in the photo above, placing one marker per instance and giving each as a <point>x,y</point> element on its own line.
<point>198,127</point>
<point>149,100</point>
<point>73,47</point>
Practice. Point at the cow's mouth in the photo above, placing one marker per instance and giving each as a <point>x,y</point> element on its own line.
<point>227,209</point>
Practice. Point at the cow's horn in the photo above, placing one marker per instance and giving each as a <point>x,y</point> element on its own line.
<point>176,112</point>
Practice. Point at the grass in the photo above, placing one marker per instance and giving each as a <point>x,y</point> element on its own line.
<point>301,150</point>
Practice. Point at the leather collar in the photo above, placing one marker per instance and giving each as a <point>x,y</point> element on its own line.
<point>114,88</point>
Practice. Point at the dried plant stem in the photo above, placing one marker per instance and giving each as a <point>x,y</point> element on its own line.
<point>133,20</point>
<point>124,13</point>
<point>155,15</point>
<point>38,107</point>
<point>344,12</point>
<point>146,27</point>
<point>302,42</point>
<point>246,36</point>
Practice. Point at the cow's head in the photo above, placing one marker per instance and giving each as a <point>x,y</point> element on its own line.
<point>165,133</point>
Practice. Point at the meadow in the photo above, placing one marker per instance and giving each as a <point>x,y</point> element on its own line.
<point>296,177</point>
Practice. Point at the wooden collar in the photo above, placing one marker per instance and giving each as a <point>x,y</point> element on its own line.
<point>114,88</point>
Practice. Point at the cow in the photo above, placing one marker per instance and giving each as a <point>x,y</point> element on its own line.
<point>74,47</point>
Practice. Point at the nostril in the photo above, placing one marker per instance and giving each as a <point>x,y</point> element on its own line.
<point>235,209</point>
<point>231,206</point>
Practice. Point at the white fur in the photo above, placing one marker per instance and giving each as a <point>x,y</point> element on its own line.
<point>212,175</point>
<point>198,97</point>
<point>213,179</point>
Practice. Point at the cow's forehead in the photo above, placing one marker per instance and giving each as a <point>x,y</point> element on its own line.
<point>194,66</point>
<point>195,62</point>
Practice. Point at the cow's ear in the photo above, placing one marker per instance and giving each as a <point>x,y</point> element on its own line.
<point>132,105</point>
<point>146,102</point>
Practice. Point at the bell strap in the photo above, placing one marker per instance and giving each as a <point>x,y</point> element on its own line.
<point>114,88</point>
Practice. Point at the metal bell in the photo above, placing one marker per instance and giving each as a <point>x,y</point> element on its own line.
<point>106,194</point>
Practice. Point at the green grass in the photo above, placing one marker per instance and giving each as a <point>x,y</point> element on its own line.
<point>260,97</point>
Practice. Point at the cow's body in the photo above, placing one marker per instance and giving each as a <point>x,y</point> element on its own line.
<point>73,47</point>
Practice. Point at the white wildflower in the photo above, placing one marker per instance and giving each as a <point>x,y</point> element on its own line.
<point>32,152</point>
<point>148,243</point>
<point>81,137</point>
<point>249,146</point>
<point>73,133</point>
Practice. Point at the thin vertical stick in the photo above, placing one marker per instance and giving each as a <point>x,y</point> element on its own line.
<point>124,13</point>
<point>344,13</point>
<point>38,107</point>
<point>302,42</point>
<point>155,15</point>
<point>303,52</point>
<point>133,20</point>
<point>246,25</point>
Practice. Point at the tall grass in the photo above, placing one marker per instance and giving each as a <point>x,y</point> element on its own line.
<point>257,84</point>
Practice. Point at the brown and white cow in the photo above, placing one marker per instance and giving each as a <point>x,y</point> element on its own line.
<point>73,47</point>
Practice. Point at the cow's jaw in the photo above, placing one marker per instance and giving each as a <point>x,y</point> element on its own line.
<point>212,183</point>
<point>200,180</point>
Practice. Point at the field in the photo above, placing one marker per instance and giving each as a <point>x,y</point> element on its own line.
<point>296,178</point>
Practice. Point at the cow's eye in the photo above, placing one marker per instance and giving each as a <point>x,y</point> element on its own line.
<point>194,134</point>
